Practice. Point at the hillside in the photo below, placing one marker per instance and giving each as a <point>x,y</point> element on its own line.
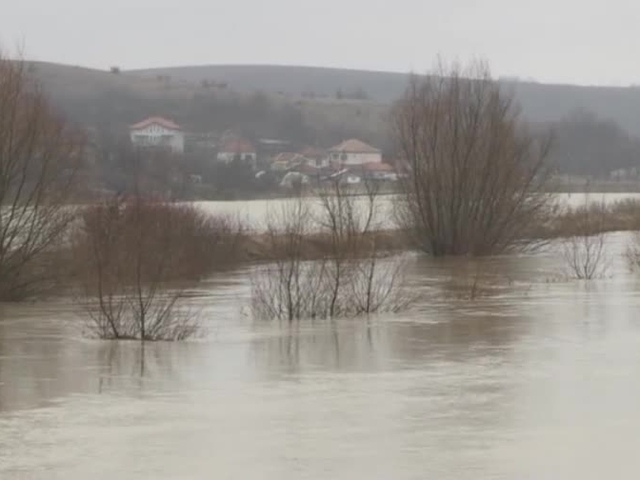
<point>540,102</point>
<point>101,99</point>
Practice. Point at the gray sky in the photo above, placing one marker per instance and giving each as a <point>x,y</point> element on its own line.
<point>573,41</point>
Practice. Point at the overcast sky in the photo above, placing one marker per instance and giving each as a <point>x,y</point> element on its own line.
<point>570,41</point>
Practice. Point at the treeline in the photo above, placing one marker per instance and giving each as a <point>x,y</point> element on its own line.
<point>585,144</point>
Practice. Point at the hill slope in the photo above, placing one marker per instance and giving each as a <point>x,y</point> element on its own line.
<point>540,102</point>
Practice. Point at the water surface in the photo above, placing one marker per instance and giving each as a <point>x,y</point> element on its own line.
<point>535,378</point>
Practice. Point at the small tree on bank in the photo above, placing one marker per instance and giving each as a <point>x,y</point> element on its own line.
<point>475,177</point>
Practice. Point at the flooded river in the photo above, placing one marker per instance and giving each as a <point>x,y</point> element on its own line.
<point>537,378</point>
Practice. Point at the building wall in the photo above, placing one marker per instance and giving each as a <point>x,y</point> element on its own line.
<point>355,158</point>
<point>158,136</point>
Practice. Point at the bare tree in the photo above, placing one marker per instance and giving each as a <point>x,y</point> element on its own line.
<point>350,279</point>
<point>289,288</point>
<point>475,177</point>
<point>350,221</point>
<point>584,252</point>
<point>39,159</point>
<point>130,252</point>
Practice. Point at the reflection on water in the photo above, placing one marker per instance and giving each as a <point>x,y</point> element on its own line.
<point>531,378</point>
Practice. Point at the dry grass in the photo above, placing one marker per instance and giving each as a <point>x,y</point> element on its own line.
<point>569,222</point>
<point>190,243</point>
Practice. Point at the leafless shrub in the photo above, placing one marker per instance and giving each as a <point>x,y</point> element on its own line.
<point>474,176</point>
<point>132,254</point>
<point>39,159</point>
<point>347,281</point>
<point>146,314</point>
<point>584,252</point>
<point>287,289</point>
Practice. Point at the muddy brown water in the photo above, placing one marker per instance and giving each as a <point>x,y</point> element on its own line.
<point>537,377</point>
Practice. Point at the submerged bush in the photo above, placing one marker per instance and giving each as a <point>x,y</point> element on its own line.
<point>474,178</point>
<point>131,257</point>
<point>350,279</point>
<point>584,251</point>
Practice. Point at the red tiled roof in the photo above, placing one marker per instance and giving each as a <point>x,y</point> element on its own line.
<point>237,145</point>
<point>169,124</point>
<point>354,146</point>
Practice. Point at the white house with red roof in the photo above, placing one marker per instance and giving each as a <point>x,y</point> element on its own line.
<point>157,132</point>
<point>237,149</point>
<point>354,152</point>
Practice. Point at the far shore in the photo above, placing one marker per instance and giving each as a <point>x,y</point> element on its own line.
<point>201,195</point>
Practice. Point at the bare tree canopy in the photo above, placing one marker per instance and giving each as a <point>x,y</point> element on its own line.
<point>39,158</point>
<point>474,175</point>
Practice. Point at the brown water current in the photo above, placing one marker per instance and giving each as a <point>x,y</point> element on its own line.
<point>536,377</point>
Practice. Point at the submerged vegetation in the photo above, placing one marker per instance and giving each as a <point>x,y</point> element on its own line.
<point>475,177</point>
<point>133,255</point>
<point>350,279</point>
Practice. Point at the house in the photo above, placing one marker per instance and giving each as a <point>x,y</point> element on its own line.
<point>157,132</point>
<point>237,149</point>
<point>204,143</point>
<point>353,152</point>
